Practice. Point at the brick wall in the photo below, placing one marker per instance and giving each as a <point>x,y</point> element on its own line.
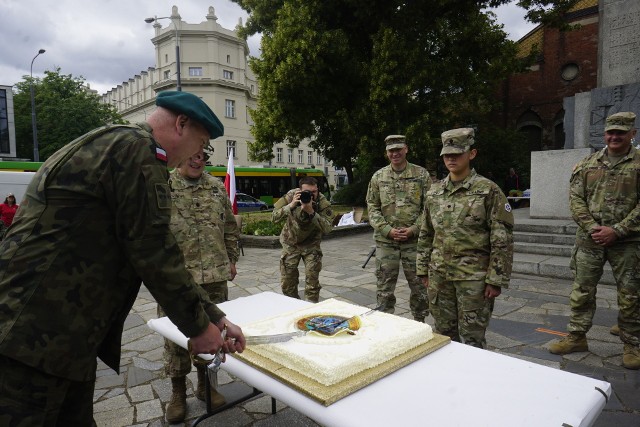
<point>542,89</point>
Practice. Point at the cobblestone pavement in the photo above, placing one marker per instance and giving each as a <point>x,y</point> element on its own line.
<point>523,315</point>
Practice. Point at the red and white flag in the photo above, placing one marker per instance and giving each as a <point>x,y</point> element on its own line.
<point>230,183</point>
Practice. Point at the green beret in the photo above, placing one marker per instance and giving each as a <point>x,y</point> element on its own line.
<point>457,141</point>
<point>193,107</point>
<point>620,121</point>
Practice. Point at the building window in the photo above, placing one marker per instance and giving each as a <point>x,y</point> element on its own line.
<point>309,157</point>
<point>167,74</point>
<point>195,71</point>
<point>231,145</point>
<point>227,74</point>
<point>319,159</point>
<point>300,156</point>
<point>290,155</point>
<point>230,108</point>
<point>279,155</point>
<point>228,59</point>
<point>166,58</point>
<point>570,72</point>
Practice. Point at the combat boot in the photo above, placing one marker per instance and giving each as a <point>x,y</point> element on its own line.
<point>217,399</point>
<point>572,343</point>
<point>177,407</point>
<point>631,357</point>
<point>615,330</point>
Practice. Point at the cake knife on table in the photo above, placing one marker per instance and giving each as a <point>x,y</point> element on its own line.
<point>277,338</point>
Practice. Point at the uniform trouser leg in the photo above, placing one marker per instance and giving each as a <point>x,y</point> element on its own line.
<point>289,260</point>
<point>312,259</point>
<point>29,397</point>
<point>460,310</point>
<point>177,360</point>
<point>625,263</point>
<point>387,268</point>
<point>587,263</point>
<point>418,301</point>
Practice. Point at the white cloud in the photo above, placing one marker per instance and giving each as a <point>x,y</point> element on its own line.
<point>108,42</point>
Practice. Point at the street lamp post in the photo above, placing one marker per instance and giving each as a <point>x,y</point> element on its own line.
<point>34,127</point>
<point>178,80</point>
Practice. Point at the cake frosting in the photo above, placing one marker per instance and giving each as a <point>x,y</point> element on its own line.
<point>331,359</point>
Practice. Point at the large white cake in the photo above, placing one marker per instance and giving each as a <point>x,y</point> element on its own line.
<point>331,359</point>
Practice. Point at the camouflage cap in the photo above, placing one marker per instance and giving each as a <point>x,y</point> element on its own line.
<point>395,141</point>
<point>620,121</point>
<point>193,107</point>
<point>457,141</point>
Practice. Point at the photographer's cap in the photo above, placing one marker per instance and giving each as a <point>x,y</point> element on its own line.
<point>624,121</point>
<point>395,141</point>
<point>457,141</point>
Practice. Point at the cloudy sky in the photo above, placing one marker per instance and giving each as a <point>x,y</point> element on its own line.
<point>108,42</point>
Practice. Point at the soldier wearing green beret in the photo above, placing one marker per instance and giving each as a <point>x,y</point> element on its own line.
<point>605,203</point>
<point>465,247</point>
<point>202,222</point>
<point>395,199</point>
<point>94,224</point>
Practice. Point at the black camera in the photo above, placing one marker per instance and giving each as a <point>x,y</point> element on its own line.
<point>305,196</point>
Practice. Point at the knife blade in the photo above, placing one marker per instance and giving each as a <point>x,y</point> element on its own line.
<point>275,338</point>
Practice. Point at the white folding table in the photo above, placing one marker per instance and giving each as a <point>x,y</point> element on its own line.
<point>456,385</point>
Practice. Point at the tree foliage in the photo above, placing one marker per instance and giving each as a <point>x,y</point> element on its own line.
<point>346,73</point>
<point>65,110</point>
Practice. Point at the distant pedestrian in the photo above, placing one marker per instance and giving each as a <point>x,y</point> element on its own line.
<point>465,248</point>
<point>307,216</point>
<point>605,203</point>
<point>512,183</point>
<point>8,210</point>
<point>395,200</point>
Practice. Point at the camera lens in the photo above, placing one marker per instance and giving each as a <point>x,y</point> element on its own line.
<point>305,196</point>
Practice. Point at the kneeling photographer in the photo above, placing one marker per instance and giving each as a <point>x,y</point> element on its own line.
<point>308,217</point>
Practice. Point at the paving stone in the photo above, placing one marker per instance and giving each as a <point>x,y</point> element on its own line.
<point>114,392</point>
<point>262,405</point>
<point>137,376</point>
<point>121,417</point>
<point>140,393</point>
<point>117,402</point>
<point>287,417</point>
<point>109,381</point>
<point>142,363</point>
<point>148,410</point>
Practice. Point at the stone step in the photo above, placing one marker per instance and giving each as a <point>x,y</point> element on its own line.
<point>542,248</point>
<point>544,238</point>
<point>551,266</point>
<point>567,227</point>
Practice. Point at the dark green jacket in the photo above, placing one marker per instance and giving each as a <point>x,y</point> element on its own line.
<point>93,226</point>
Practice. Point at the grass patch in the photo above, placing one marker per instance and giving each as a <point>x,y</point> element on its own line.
<point>259,223</point>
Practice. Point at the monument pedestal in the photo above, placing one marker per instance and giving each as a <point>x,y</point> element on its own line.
<point>550,174</point>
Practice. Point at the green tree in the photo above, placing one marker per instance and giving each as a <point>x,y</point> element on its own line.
<point>346,73</point>
<point>65,110</point>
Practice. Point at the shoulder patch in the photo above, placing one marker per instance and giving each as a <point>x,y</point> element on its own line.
<point>507,207</point>
<point>163,196</point>
<point>328,212</point>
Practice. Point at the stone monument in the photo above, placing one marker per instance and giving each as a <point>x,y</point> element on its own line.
<point>618,90</point>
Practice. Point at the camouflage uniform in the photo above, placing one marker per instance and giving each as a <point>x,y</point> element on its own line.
<point>202,222</point>
<point>607,195</point>
<point>300,238</point>
<point>396,200</point>
<point>93,225</point>
<point>465,243</point>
